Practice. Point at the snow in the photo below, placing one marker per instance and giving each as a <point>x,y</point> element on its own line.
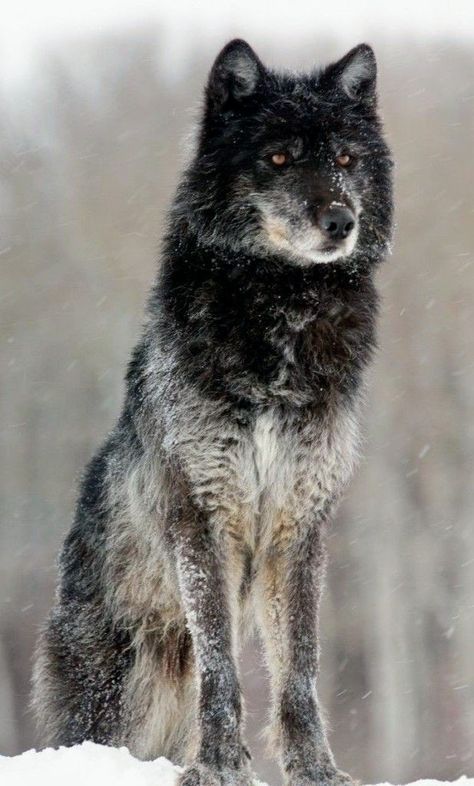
<point>97,765</point>
<point>85,765</point>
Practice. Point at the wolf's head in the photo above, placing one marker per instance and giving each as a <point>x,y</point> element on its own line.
<point>290,165</point>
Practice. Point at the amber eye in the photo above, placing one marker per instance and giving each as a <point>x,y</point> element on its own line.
<point>279,159</point>
<point>344,159</point>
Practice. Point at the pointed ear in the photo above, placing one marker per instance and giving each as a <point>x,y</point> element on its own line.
<point>235,75</point>
<point>356,74</point>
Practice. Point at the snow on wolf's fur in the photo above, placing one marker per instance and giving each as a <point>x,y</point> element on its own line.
<point>99,765</point>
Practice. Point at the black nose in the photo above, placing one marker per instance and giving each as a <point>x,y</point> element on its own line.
<point>337,222</point>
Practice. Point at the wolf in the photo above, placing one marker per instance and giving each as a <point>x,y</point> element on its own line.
<point>205,510</point>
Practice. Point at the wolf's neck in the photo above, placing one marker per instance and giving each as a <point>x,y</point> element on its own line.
<point>190,263</point>
<point>246,326</point>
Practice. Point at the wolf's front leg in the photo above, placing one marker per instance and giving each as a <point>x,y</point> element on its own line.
<point>287,598</point>
<point>205,591</point>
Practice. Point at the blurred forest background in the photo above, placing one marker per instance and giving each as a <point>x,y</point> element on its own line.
<point>90,151</point>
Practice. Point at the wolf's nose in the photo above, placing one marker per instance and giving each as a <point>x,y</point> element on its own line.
<point>337,222</point>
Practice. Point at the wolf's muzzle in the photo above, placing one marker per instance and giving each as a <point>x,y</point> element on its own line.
<point>336,222</point>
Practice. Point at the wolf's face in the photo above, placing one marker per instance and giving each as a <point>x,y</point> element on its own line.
<point>307,204</point>
<point>292,165</point>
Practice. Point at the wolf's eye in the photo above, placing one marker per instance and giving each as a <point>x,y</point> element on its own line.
<point>279,159</point>
<point>344,159</point>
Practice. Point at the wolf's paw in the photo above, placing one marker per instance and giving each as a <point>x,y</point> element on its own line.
<point>198,775</point>
<point>339,778</point>
<point>324,776</point>
<point>202,775</point>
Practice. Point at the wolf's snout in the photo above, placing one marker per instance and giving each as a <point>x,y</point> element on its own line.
<point>337,222</point>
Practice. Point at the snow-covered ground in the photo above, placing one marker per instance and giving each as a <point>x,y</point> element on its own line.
<point>85,765</point>
<point>96,765</point>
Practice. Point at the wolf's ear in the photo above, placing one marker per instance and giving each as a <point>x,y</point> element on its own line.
<point>355,74</point>
<point>235,75</point>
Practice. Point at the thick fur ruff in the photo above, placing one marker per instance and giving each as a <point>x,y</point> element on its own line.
<point>207,504</point>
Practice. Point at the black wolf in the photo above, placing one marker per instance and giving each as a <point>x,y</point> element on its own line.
<point>238,433</point>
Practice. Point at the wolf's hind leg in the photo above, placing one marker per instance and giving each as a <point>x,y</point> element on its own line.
<point>131,687</point>
<point>81,667</point>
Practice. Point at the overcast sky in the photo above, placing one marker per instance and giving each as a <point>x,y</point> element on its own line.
<point>27,25</point>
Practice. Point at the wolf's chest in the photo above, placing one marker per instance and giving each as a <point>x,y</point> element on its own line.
<point>269,450</point>
<point>300,457</point>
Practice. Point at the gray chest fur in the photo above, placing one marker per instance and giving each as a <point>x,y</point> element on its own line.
<point>277,466</point>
